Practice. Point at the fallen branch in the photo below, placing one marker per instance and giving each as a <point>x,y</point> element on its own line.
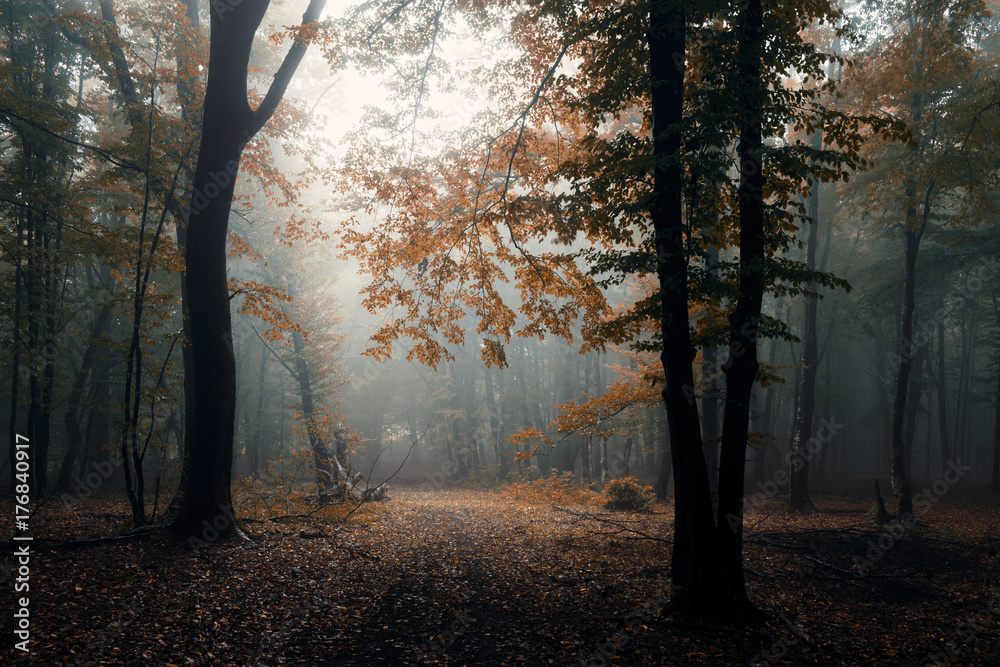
<point>307,515</point>
<point>93,542</point>
<point>792,628</point>
<point>624,530</point>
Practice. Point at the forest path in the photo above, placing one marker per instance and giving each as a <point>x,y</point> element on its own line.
<point>474,579</point>
<point>462,577</point>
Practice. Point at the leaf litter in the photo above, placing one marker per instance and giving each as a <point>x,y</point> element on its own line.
<point>515,576</point>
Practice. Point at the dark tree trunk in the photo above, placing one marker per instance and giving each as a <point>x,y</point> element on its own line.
<point>897,443</point>
<point>942,380</point>
<point>34,354</point>
<point>15,371</point>
<point>741,372</point>
<point>666,469</point>
<point>965,378</point>
<point>700,587</point>
<point>191,112</point>
<point>626,456</point>
<point>210,370</point>
<point>881,447</point>
<point>469,391</point>
<point>710,406</point>
<point>805,392</point>
<point>44,434</point>
<point>913,230</point>
<point>603,460</point>
<point>543,461</point>
<point>995,477</point>
<point>912,412</point>
<point>767,445</point>
<point>586,461</point>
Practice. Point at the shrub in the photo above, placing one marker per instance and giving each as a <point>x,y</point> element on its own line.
<point>627,494</point>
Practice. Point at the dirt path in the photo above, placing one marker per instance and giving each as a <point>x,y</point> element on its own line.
<point>481,578</point>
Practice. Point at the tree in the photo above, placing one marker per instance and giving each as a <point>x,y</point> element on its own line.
<point>228,124</point>
<point>929,65</point>
<point>38,198</point>
<point>611,170</point>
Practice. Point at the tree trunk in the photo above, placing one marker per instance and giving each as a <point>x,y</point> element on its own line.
<point>626,456</point>
<point>995,477</point>
<point>15,372</point>
<point>767,445</point>
<point>805,392</point>
<point>897,444</point>
<point>495,419</point>
<point>321,454</point>
<point>965,374</point>
<point>741,372</point>
<point>710,403</point>
<point>228,123</point>
<point>881,448</point>
<point>257,439</point>
<point>469,391</point>
<point>913,230</point>
<point>700,591</point>
<point>912,412</point>
<point>603,460</point>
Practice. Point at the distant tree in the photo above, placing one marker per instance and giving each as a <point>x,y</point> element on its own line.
<point>925,65</point>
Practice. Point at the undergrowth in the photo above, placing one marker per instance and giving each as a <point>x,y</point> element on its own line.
<point>627,494</point>
<point>559,488</point>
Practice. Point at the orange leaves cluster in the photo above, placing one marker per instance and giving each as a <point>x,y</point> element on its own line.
<point>594,416</point>
<point>259,300</point>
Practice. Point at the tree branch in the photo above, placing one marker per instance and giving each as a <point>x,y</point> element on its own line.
<point>284,74</point>
<point>107,155</point>
<point>280,360</point>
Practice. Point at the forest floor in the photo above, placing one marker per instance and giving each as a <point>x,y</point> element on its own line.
<point>521,576</point>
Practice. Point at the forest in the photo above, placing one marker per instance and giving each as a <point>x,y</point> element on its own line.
<point>480,332</point>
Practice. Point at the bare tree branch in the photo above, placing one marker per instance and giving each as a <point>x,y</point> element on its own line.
<point>284,74</point>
